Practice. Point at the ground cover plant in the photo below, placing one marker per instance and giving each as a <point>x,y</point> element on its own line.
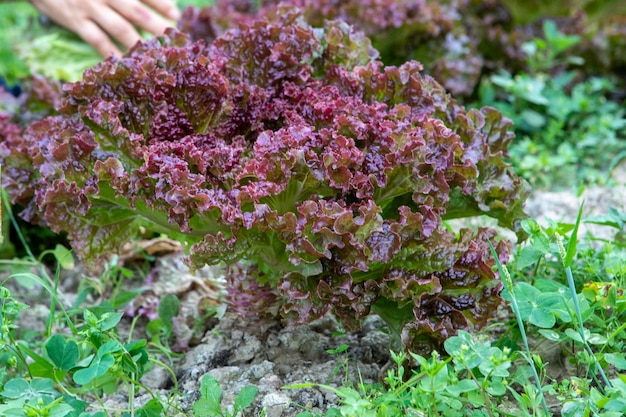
<point>568,132</point>
<point>335,179</point>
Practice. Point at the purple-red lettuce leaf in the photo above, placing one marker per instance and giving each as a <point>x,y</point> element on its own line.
<point>290,149</point>
<point>459,42</point>
<point>455,40</point>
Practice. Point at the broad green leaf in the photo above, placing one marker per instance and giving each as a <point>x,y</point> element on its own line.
<point>543,315</point>
<point>22,389</point>
<point>549,285</point>
<point>535,306</point>
<point>209,404</point>
<point>592,338</point>
<point>433,383</point>
<point>137,350</point>
<point>98,367</point>
<point>77,404</point>
<point>14,412</point>
<point>64,257</point>
<point>153,408</point>
<point>111,346</point>
<point>534,119</point>
<point>168,308</point>
<point>615,407</point>
<point>136,345</point>
<point>44,386</point>
<point>496,387</point>
<point>245,398</point>
<point>596,339</point>
<point>156,328</point>
<point>551,335</point>
<point>122,298</point>
<point>64,354</point>
<point>109,321</point>
<point>453,404</point>
<point>619,361</point>
<point>60,410</point>
<point>574,335</point>
<point>528,256</point>
<point>83,363</point>
<point>333,412</point>
<point>16,388</point>
<point>495,363</point>
<point>461,348</point>
<point>457,345</point>
<point>463,386</point>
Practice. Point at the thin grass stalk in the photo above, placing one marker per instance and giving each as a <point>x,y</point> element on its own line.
<point>581,328</point>
<point>44,279</point>
<point>506,277</point>
<point>567,258</point>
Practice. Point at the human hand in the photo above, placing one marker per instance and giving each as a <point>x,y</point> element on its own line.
<point>99,22</point>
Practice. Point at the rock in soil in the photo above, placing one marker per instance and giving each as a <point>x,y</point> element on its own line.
<point>270,355</point>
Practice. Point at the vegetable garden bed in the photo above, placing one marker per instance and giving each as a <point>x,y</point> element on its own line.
<point>329,179</point>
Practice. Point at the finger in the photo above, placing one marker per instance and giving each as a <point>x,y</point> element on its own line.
<point>116,26</point>
<point>141,16</point>
<point>165,8</point>
<point>148,20</point>
<point>97,38</point>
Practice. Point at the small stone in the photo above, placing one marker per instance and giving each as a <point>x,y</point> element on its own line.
<point>156,378</point>
<point>270,382</point>
<point>258,371</point>
<point>226,374</point>
<point>275,404</point>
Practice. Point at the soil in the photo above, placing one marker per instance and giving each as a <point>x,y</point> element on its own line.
<point>270,354</point>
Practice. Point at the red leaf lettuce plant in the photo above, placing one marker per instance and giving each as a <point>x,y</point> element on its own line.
<point>291,149</point>
<point>454,40</point>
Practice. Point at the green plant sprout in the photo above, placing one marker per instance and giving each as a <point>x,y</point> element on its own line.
<point>210,402</point>
<point>341,353</point>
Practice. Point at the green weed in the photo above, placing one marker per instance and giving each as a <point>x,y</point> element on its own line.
<point>78,357</point>
<point>568,131</point>
<point>473,380</point>
<point>210,402</point>
<point>585,318</point>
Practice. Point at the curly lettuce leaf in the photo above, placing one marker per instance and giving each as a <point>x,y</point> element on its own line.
<point>290,149</point>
